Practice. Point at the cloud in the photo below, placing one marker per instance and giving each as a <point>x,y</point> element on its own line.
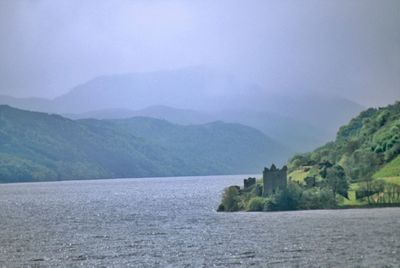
<point>348,48</point>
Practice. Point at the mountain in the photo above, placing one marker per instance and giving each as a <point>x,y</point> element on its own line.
<point>297,134</point>
<point>204,90</point>
<point>199,94</point>
<point>367,147</point>
<point>38,146</point>
<point>174,115</point>
<point>324,112</point>
<point>32,104</point>
<point>196,88</point>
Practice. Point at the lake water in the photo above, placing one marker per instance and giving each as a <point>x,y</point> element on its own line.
<point>172,222</point>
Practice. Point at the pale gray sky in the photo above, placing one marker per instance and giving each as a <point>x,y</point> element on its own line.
<point>342,47</point>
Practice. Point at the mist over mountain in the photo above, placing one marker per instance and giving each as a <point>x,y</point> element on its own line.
<point>33,104</point>
<point>174,115</point>
<point>199,95</point>
<point>296,134</point>
<point>188,88</point>
<point>197,87</point>
<point>295,71</point>
<point>344,48</point>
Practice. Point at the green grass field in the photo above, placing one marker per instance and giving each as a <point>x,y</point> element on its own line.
<point>390,172</point>
<point>298,175</point>
<point>395,180</point>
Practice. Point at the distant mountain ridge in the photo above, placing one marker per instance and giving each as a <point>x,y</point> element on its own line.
<point>38,147</point>
<point>174,115</point>
<point>198,95</point>
<point>294,133</point>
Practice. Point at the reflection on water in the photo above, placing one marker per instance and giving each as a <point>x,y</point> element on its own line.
<point>172,222</point>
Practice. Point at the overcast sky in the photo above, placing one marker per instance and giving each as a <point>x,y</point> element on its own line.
<point>346,48</point>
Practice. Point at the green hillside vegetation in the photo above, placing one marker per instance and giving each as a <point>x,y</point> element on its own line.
<point>241,148</point>
<point>367,148</point>
<point>38,147</point>
<point>360,168</point>
<point>366,144</point>
<point>392,169</point>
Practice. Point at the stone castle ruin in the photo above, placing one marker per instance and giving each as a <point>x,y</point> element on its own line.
<point>274,178</point>
<point>249,182</point>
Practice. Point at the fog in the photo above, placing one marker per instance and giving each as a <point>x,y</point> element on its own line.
<point>342,48</point>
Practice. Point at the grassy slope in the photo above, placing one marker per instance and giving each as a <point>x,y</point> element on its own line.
<point>385,175</point>
<point>298,175</point>
<point>390,172</point>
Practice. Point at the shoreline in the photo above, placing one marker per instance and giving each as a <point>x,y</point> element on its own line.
<point>372,206</point>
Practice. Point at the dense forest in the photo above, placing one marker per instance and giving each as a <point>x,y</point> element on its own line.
<point>38,146</point>
<point>360,168</point>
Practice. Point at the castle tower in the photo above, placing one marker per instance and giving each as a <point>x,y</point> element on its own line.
<point>274,178</point>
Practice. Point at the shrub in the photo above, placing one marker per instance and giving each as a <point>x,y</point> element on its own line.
<point>269,204</point>
<point>221,207</point>
<point>316,198</point>
<point>230,199</point>
<point>286,199</point>
<point>256,204</point>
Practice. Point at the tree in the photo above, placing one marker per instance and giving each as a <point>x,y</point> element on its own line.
<point>336,180</point>
<point>230,199</point>
<point>285,199</point>
<point>372,189</point>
